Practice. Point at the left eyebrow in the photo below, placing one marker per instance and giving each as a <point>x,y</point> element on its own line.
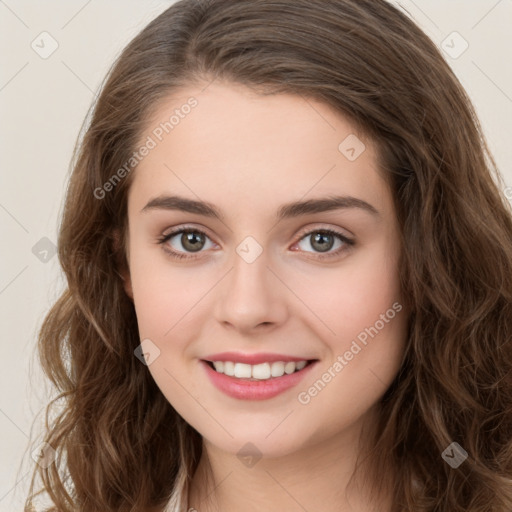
<point>289,210</point>
<point>298,208</point>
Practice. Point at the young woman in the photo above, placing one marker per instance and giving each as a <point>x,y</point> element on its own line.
<point>289,264</point>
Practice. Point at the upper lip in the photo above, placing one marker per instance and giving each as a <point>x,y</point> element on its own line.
<point>263,357</point>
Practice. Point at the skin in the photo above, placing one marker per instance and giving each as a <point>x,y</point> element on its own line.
<point>248,154</point>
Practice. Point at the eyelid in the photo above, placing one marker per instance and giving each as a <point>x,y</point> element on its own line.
<point>185,227</point>
<point>308,230</point>
<point>323,227</point>
<point>304,231</point>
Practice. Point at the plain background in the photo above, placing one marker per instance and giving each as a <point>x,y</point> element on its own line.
<point>43,103</point>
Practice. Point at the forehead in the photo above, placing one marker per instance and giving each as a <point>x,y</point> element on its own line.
<point>235,147</point>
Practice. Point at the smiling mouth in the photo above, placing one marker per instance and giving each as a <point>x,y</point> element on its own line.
<point>258,372</point>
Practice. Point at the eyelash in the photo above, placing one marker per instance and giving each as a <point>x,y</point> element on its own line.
<point>178,255</point>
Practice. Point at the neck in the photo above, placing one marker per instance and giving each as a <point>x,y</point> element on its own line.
<point>316,476</point>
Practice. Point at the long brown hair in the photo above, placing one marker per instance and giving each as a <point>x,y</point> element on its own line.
<point>120,445</point>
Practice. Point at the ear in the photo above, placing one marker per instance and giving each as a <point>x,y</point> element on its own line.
<point>122,264</point>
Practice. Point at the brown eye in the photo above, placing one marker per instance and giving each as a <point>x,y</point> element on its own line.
<point>181,242</point>
<point>323,240</point>
<point>192,240</point>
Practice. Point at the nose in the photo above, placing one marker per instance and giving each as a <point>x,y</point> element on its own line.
<point>251,297</point>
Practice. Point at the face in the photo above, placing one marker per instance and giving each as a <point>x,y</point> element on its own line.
<point>258,278</point>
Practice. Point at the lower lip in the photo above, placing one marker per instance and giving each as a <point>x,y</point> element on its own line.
<point>254,389</point>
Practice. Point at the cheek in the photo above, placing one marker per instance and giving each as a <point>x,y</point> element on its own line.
<point>162,294</point>
<point>363,353</point>
<point>352,297</point>
<point>172,308</point>
<point>166,304</point>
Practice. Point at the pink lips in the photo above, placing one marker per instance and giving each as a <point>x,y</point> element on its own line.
<point>244,389</point>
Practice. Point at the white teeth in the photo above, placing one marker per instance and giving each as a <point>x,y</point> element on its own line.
<point>289,367</point>
<point>261,371</point>
<point>242,371</point>
<point>301,364</point>
<point>277,369</point>
<point>229,368</point>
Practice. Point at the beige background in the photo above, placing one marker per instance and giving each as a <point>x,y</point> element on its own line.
<point>43,103</point>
